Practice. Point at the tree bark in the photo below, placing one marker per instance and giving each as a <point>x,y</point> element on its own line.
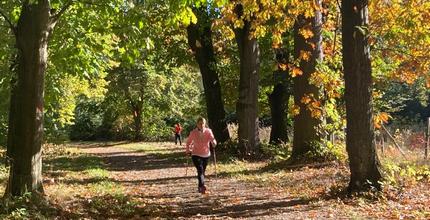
<point>360,145</point>
<point>246,107</point>
<point>305,126</point>
<point>25,133</point>
<point>278,100</point>
<point>200,41</point>
<point>137,117</point>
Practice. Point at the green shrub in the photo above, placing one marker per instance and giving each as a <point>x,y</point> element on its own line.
<point>276,151</point>
<point>399,173</point>
<point>325,151</point>
<point>27,206</point>
<point>88,118</point>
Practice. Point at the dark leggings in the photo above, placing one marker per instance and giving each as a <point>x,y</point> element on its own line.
<point>200,163</point>
<point>178,137</point>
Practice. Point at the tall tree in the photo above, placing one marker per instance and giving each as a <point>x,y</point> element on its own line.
<point>200,41</point>
<point>307,49</point>
<point>360,145</point>
<point>35,24</point>
<point>32,28</point>
<point>132,84</point>
<point>152,54</point>
<point>246,107</point>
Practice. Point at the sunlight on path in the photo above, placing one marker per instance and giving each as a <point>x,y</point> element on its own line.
<point>158,174</point>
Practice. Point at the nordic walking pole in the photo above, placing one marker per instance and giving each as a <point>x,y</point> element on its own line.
<point>213,149</point>
<point>186,166</point>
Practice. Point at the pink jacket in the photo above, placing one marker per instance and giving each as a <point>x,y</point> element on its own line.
<point>199,141</point>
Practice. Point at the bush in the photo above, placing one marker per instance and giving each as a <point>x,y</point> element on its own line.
<point>276,151</point>
<point>27,206</point>
<point>325,151</point>
<point>397,174</point>
<point>88,119</point>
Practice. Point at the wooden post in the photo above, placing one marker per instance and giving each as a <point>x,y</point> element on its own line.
<point>427,139</point>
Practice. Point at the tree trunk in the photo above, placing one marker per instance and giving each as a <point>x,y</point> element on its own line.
<point>360,144</point>
<point>278,100</point>
<point>305,126</point>
<point>246,107</point>
<point>137,117</point>
<point>200,41</point>
<point>278,106</point>
<point>25,133</point>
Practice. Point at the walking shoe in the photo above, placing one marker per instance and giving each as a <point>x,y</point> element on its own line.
<point>202,189</point>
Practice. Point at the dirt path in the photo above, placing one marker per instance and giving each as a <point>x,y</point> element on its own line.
<point>168,188</point>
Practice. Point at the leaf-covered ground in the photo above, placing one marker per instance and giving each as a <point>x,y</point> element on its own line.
<point>155,180</point>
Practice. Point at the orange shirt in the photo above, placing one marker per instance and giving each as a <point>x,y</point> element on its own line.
<point>198,142</point>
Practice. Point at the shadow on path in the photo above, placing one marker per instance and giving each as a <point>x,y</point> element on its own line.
<point>158,178</point>
<point>140,162</point>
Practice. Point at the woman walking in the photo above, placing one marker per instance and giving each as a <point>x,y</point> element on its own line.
<point>198,145</point>
<point>178,130</point>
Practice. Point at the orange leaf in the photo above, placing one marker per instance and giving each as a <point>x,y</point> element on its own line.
<point>296,71</point>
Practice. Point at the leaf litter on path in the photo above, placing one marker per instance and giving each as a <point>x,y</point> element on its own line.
<point>155,183</point>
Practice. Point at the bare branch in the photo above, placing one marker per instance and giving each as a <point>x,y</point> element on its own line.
<point>11,26</point>
<point>394,140</point>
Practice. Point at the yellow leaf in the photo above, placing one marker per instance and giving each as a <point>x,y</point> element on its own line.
<point>305,55</point>
<point>306,33</point>
<point>283,66</point>
<point>294,110</point>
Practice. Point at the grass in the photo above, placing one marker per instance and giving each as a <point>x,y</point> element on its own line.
<point>97,173</point>
<point>73,163</point>
<point>102,205</point>
<point>161,150</point>
<point>73,178</point>
<point>146,147</point>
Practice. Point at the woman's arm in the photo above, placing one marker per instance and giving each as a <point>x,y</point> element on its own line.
<point>190,140</point>
<point>212,138</point>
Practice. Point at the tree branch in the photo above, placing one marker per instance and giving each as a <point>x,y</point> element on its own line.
<point>394,50</point>
<point>93,3</point>
<point>55,17</point>
<point>394,140</point>
<point>9,22</point>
